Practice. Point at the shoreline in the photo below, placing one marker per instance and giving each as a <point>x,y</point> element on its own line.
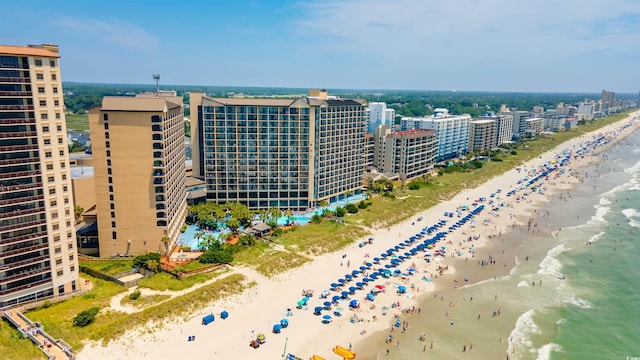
<point>265,304</point>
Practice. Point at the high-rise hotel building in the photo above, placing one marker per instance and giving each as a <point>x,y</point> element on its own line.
<point>275,152</point>
<point>139,172</point>
<point>38,256</point>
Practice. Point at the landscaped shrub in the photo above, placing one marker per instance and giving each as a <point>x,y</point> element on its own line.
<point>86,317</point>
<point>135,294</point>
<point>141,260</point>
<point>414,185</point>
<point>352,208</point>
<point>216,256</point>
<point>316,219</point>
<point>513,152</point>
<point>340,212</point>
<point>363,205</point>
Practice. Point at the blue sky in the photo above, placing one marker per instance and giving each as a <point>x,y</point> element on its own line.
<point>497,45</point>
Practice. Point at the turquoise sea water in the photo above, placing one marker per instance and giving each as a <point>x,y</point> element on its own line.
<point>603,319</point>
<point>569,290</point>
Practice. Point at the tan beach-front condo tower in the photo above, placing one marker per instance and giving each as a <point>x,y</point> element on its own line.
<point>139,171</point>
<point>288,153</point>
<point>38,255</point>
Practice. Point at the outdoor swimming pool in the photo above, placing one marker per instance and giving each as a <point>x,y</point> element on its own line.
<point>188,238</point>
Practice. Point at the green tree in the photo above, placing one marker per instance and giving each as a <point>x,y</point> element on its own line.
<point>152,265</point>
<point>216,256</point>
<point>77,212</point>
<point>86,317</point>
<point>289,214</point>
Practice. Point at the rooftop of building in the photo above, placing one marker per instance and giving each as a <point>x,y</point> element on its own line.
<point>315,98</point>
<point>152,102</point>
<point>30,50</point>
<point>191,181</point>
<point>482,121</point>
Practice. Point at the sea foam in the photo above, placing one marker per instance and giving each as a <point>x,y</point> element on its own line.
<point>581,303</point>
<point>544,352</point>
<point>550,265</point>
<point>521,335</point>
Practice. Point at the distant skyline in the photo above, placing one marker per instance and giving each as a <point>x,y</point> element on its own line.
<point>486,45</point>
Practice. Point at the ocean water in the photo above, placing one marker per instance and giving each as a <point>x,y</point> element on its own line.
<point>569,290</point>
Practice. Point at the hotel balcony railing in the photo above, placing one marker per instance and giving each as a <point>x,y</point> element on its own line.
<point>15,79</point>
<point>23,250</point>
<point>18,148</point>
<point>25,274</point>
<point>33,260</point>
<point>21,212</point>
<point>10,175</point>
<point>18,134</point>
<point>16,93</point>
<point>21,186</point>
<point>28,160</point>
<point>17,239</point>
<point>26,286</point>
<point>11,121</point>
<point>16,107</point>
<point>19,200</point>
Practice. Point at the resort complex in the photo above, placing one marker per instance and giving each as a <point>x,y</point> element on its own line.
<point>231,225</point>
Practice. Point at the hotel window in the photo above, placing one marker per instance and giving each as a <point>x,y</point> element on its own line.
<point>61,152</point>
<point>64,189</point>
<point>43,102</point>
<point>105,117</point>
<point>64,176</point>
<point>47,154</point>
<point>69,235</point>
<point>56,238</point>
<point>47,142</point>
<point>60,273</point>
<point>72,268</point>
<point>41,90</point>
<point>58,115</point>
<point>55,226</point>
<point>54,77</point>
<point>113,224</point>
<point>52,63</point>
<point>71,257</point>
<point>113,215</point>
<point>106,134</point>
<point>106,126</point>
<point>113,235</point>
<point>58,261</point>
<point>55,90</point>
<point>59,127</point>
<point>39,76</point>
<point>58,250</point>
<point>52,191</point>
<point>38,62</point>
<point>51,179</point>
<point>49,166</point>
<point>60,141</point>
<point>66,200</point>
<point>44,116</point>
<point>110,188</point>
<point>56,102</point>
<point>112,206</point>
<point>70,246</point>
<point>107,144</point>
<point>45,129</point>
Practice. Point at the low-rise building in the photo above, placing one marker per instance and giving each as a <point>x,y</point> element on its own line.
<point>482,134</point>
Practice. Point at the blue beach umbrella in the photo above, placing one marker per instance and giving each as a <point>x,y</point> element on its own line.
<point>335,299</point>
<point>317,310</point>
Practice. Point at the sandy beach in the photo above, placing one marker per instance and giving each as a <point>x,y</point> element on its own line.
<point>267,303</point>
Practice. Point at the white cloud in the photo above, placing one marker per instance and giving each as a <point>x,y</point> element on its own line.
<point>518,31</point>
<point>113,31</point>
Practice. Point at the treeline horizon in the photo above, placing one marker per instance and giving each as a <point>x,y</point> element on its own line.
<point>81,96</point>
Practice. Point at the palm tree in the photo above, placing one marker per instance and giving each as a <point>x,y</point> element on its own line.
<point>289,214</point>
<point>165,242</point>
<point>77,211</point>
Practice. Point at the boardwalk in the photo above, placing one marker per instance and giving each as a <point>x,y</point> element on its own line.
<point>54,349</point>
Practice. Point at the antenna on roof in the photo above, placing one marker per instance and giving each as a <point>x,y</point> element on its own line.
<point>156,77</point>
